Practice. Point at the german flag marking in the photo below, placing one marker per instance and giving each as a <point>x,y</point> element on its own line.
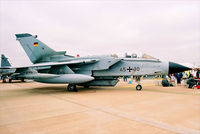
<point>35,44</point>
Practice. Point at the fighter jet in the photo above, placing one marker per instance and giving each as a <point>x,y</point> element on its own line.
<point>5,73</point>
<point>87,71</point>
<point>15,73</point>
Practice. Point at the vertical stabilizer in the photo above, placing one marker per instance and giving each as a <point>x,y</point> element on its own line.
<point>34,48</point>
<point>4,61</point>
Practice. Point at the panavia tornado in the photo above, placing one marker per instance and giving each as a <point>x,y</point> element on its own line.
<point>88,71</point>
<point>4,73</point>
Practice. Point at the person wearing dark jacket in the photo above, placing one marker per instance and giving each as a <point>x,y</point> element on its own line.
<point>191,82</point>
<point>197,74</point>
<point>165,82</point>
<point>179,77</point>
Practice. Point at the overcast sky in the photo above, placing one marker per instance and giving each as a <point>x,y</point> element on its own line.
<point>166,29</point>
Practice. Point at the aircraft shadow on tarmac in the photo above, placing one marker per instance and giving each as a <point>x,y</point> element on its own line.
<point>16,82</point>
<point>62,89</point>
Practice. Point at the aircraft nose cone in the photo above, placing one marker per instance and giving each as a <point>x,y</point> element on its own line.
<point>176,68</point>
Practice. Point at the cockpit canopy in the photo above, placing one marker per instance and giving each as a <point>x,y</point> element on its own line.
<point>146,56</point>
<point>134,55</point>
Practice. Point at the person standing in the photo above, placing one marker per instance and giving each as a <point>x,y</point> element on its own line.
<point>191,82</point>
<point>172,80</point>
<point>198,73</point>
<point>179,77</point>
<point>125,78</point>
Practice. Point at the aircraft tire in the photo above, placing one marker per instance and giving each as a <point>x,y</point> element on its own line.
<point>10,80</point>
<point>72,88</point>
<point>138,87</point>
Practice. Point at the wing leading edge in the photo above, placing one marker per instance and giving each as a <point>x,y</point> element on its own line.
<point>85,61</point>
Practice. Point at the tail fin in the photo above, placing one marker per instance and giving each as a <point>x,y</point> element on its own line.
<point>4,61</point>
<point>34,48</point>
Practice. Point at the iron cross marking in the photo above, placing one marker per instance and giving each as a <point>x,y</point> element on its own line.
<point>129,69</point>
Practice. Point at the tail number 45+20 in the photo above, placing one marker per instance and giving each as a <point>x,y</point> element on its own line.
<point>129,69</point>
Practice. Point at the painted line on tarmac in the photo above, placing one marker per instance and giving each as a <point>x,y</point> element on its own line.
<point>195,93</point>
<point>145,85</point>
<point>131,117</point>
<point>157,124</point>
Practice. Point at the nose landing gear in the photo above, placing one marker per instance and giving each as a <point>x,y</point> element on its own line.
<point>138,87</point>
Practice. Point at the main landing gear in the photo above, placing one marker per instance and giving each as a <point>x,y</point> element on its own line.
<point>22,80</point>
<point>72,88</point>
<point>10,80</point>
<point>138,87</point>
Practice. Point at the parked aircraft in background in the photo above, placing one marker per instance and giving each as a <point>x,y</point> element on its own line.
<point>6,73</point>
<point>12,73</point>
<point>86,71</point>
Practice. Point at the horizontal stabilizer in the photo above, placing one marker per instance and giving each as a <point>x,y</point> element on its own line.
<point>60,53</point>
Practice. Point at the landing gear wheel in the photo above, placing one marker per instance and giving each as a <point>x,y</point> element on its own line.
<point>22,80</point>
<point>138,87</point>
<point>72,88</point>
<point>10,80</point>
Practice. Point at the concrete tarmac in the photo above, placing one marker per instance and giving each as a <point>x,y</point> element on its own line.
<point>35,108</point>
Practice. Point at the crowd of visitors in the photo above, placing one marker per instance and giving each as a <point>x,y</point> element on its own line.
<point>190,78</point>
